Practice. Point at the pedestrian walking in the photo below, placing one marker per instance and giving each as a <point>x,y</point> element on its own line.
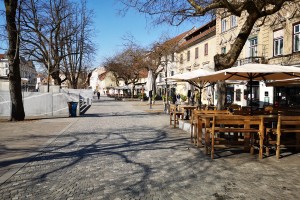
<point>98,94</point>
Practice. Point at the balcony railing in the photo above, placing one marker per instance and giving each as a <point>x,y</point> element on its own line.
<point>257,59</point>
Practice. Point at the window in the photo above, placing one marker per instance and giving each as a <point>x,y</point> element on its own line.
<point>172,73</point>
<point>181,58</point>
<point>188,55</point>
<point>196,52</point>
<point>238,95</point>
<point>223,28</point>
<point>253,47</point>
<point>296,38</point>
<point>233,21</point>
<point>206,49</point>
<point>173,57</point>
<point>278,42</point>
<point>223,50</point>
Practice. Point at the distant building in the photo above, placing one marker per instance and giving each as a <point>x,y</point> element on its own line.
<point>197,51</point>
<point>27,71</point>
<point>105,82</point>
<point>170,67</point>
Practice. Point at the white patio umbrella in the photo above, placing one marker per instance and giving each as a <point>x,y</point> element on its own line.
<point>192,78</point>
<point>286,82</point>
<point>251,72</point>
<point>190,75</point>
<point>149,85</point>
<point>258,72</point>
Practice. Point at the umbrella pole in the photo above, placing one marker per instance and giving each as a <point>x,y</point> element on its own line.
<point>150,97</point>
<point>213,94</point>
<point>200,97</point>
<point>251,101</point>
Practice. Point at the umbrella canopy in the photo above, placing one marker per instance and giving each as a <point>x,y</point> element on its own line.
<point>286,82</point>
<point>259,72</point>
<point>149,84</point>
<point>192,79</point>
<point>190,75</point>
<point>251,72</point>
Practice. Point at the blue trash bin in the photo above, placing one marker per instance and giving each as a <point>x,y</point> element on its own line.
<point>72,108</point>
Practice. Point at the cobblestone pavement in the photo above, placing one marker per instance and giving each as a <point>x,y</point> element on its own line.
<point>21,140</point>
<point>120,150</point>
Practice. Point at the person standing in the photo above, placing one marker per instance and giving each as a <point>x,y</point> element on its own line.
<point>98,94</point>
<point>178,98</point>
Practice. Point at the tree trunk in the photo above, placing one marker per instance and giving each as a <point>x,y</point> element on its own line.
<point>17,108</point>
<point>225,61</point>
<point>57,79</point>
<point>132,91</point>
<point>221,92</point>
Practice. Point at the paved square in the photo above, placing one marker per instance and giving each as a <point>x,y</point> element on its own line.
<point>120,150</point>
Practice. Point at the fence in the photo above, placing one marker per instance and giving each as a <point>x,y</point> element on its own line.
<point>37,104</point>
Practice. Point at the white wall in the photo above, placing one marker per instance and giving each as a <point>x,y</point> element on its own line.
<point>46,104</point>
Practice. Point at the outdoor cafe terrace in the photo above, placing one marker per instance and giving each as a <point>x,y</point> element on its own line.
<point>266,131</point>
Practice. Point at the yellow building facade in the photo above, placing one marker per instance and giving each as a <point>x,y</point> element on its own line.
<point>273,40</point>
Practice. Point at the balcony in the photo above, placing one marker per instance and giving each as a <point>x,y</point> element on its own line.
<point>256,59</point>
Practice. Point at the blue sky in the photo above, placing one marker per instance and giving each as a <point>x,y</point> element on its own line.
<point>111,28</point>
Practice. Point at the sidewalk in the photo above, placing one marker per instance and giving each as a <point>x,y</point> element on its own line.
<point>22,140</point>
<point>124,150</point>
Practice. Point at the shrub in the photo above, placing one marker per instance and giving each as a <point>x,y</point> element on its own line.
<point>158,97</point>
<point>183,97</point>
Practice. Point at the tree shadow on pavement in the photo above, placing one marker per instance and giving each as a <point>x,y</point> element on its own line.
<point>138,155</point>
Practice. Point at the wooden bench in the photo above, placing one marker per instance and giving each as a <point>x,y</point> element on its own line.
<point>197,123</point>
<point>235,124</point>
<point>285,125</point>
<point>175,114</point>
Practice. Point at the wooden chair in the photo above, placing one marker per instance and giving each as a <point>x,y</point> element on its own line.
<point>234,124</point>
<point>194,125</point>
<point>285,125</point>
<point>175,114</point>
<point>234,107</point>
<point>197,124</point>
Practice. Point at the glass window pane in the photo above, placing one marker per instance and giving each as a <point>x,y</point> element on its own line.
<point>296,42</point>
<point>196,52</point>
<point>223,25</point>
<point>296,29</point>
<point>281,46</point>
<point>276,47</point>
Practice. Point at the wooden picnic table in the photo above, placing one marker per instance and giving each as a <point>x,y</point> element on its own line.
<point>205,122</point>
<point>187,109</point>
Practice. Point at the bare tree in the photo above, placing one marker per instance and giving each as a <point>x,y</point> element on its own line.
<point>41,23</point>
<point>56,33</point>
<point>17,108</point>
<point>160,54</point>
<point>176,12</point>
<point>78,47</point>
<point>127,66</point>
